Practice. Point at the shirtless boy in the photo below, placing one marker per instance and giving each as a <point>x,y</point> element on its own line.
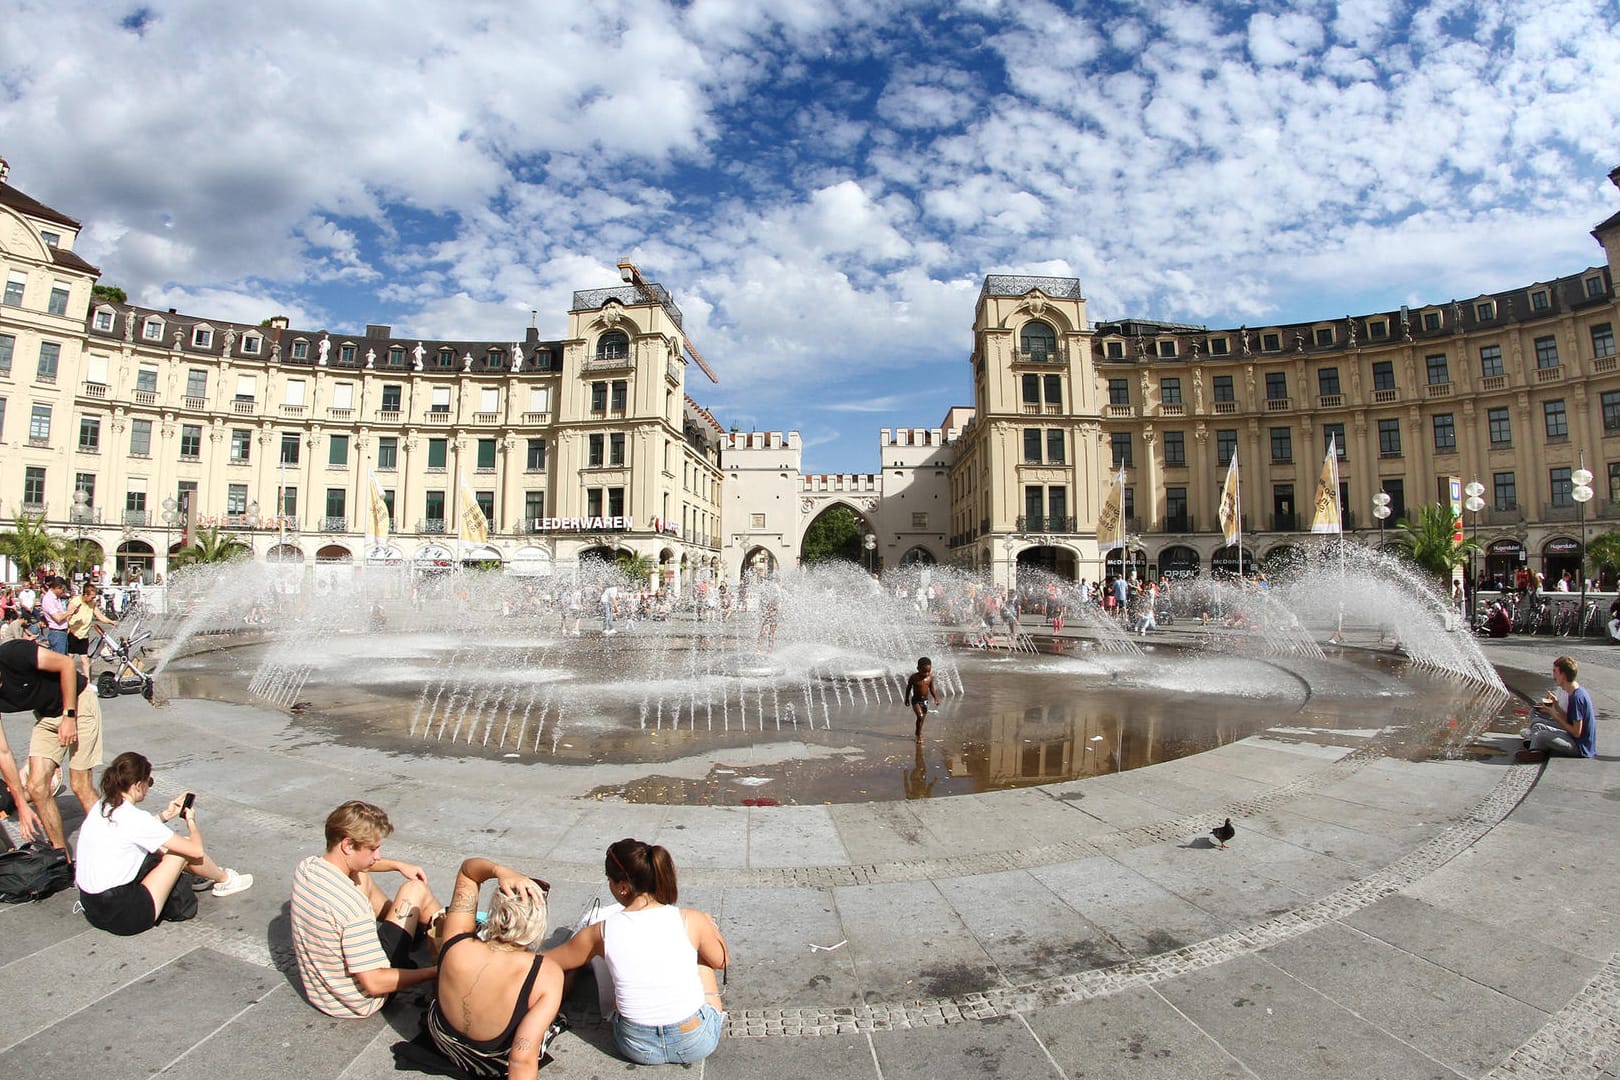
<point>919,688</point>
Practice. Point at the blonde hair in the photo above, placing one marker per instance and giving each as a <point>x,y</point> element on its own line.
<point>516,919</point>
<point>365,824</point>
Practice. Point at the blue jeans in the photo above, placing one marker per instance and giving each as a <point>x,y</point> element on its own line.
<point>667,1044</point>
<point>56,640</point>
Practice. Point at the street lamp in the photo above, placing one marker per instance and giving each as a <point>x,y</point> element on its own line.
<point>869,542</point>
<point>81,511</point>
<point>1476,502</point>
<point>1581,492</point>
<point>1381,511</point>
<point>171,514</point>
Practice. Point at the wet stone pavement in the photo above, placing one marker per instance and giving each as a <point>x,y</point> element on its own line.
<point>1374,917</point>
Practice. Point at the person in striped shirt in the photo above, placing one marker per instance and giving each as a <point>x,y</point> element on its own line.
<point>351,940</point>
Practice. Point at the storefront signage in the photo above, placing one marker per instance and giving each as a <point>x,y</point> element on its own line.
<point>1562,545</point>
<point>1506,547</point>
<point>582,524</point>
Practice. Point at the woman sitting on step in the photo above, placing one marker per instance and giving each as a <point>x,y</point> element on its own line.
<point>496,999</point>
<point>130,862</point>
<point>662,959</point>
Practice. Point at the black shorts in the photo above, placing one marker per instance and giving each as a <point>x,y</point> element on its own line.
<point>396,944</point>
<point>125,910</point>
<point>78,646</point>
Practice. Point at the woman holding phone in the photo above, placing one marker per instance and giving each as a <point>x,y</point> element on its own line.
<point>129,860</point>
<point>496,999</point>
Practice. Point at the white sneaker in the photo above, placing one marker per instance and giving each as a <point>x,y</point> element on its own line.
<point>233,883</point>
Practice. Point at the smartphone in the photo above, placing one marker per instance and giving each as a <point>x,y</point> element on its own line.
<point>191,797</point>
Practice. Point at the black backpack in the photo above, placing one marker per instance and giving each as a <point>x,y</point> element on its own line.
<point>33,872</point>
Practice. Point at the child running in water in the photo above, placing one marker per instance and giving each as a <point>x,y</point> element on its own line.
<point>919,688</point>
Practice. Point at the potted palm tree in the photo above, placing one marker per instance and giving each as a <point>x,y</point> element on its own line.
<point>1431,543</point>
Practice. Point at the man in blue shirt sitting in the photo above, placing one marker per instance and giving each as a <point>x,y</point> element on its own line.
<point>1566,722</point>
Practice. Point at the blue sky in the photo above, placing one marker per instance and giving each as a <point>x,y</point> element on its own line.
<point>823,185</point>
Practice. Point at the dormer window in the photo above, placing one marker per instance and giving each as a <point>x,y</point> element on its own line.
<point>251,344</point>
<point>51,239</point>
<point>396,356</point>
<point>202,338</point>
<point>1594,286</point>
<point>613,345</point>
<point>300,349</point>
<point>152,329</point>
<point>1431,320</point>
<point>345,354</point>
<point>1271,342</point>
<point>1114,350</point>
<point>494,358</point>
<point>1324,336</point>
<point>103,319</point>
<point>1485,310</point>
<point>447,357</point>
<point>1167,349</point>
<point>1218,346</point>
<point>1540,300</point>
<point>1377,329</point>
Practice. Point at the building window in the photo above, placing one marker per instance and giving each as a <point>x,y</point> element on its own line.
<point>241,445</point>
<point>1037,340</point>
<point>196,383</point>
<point>396,356</point>
<point>146,379</point>
<point>1540,301</point>
<point>1175,448</point>
<point>441,400</point>
<point>1034,504</point>
<point>51,239</point>
<point>1327,381</point>
<point>1054,389</point>
<point>1611,411</point>
<point>50,358</point>
<point>337,504</point>
<point>135,499</point>
<point>1115,350</point>
<point>390,398</point>
<point>1170,391</point>
<point>1603,339</point>
<point>1500,428</point>
<point>1378,329</point>
<point>1334,433</point>
<point>1614,481</point>
<point>289,502</point>
<point>486,455</point>
<point>251,343</point>
<point>1271,342</point>
<point>1167,350</point>
<point>433,506</point>
<point>236,498</point>
<point>152,330</point>
<point>1282,445</point>
<point>1175,509</point>
<point>1389,438</point>
<point>447,358</point>
<point>620,395</point>
<point>536,459</point>
<point>8,345</point>
<point>613,345</point>
<point>1490,361</point>
<point>593,502</point>
<point>1276,385</point>
<point>595,448</point>
<point>1120,441</point>
<point>1054,446</point>
<point>39,424</point>
<point>1031,389</point>
<point>1485,310</point>
<point>90,434</point>
<point>1119,391</point>
<point>1445,432</point>
<point>1324,336</point>
<point>1383,372</point>
<point>1225,446</point>
<point>15,284</point>
<point>1438,372</point>
<point>337,450</point>
<point>1560,488</point>
<point>300,350</point>
<point>1546,352</point>
<point>1223,388</point>
<point>1431,320</point>
<point>1594,287</point>
<point>599,392</point>
<point>388,452</point>
<point>1552,414</point>
<point>190,442</point>
<point>1218,346</point>
<point>615,506</point>
<point>438,453</point>
<point>1032,446</point>
<point>140,438</point>
<point>289,448</point>
<point>1396,490</point>
<point>202,338</point>
<point>345,356</point>
<point>57,304</point>
<point>33,486</point>
<point>534,506</point>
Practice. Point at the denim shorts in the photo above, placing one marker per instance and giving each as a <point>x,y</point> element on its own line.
<point>667,1044</point>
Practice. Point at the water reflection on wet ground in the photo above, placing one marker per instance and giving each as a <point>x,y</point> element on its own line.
<point>730,739</point>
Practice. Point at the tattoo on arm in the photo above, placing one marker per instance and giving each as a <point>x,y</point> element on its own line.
<point>465,898</point>
<point>523,1045</point>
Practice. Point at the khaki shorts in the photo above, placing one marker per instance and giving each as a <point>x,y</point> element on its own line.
<point>86,752</point>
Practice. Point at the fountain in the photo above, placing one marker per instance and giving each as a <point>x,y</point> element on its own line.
<point>695,700</point>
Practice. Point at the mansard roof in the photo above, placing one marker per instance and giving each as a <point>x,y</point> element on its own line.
<point>32,207</point>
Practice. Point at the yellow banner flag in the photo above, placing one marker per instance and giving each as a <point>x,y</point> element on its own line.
<point>1326,518</point>
<point>1109,533</point>
<point>474,525</point>
<point>378,522</point>
<point>1231,513</point>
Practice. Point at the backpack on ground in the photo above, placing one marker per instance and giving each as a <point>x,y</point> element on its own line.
<point>33,872</point>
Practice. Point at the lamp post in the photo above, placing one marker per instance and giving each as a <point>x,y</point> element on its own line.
<point>171,514</point>
<point>869,542</point>
<point>1476,502</point>
<point>81,511</point>
<point>1381,511</point>
<point>1581,492</point>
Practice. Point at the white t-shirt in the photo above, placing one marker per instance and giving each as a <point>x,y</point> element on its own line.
<point>111,850</point>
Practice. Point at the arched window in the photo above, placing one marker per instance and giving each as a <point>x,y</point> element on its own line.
<point>613,345</point>
<point>1037,341</point>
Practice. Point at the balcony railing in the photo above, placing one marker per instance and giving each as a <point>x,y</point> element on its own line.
<point>1279,404</point>
<point>1439,389</point>
<point>339,414</point>
<point>1058,355</point>
<point>1223,408</point>
<point>145,397</point>
<point>486,417</point>
<point>1602,365</point>
<point>95,390</point>
<point>1177,523</point>
<point>1384,397</point>
<point>430,525</point>
<point>1172,408</point>
<point>137,518</point>
<point>1555,512</point>
<point>1045,523</point>
<point>242,408</point>
<point>34,509</point>
<point>537,418</point>
<point>1330,401</point>
<point>608,362</point>
<point>1549,374</point>
<point>334,524</point>
<point>438,416</point>
<point>1493,382</point>
<point>294,410</point>
<point>1121,412</point>
<point>196,404</point>
<point>388,416</point>
<point>1503,515</point>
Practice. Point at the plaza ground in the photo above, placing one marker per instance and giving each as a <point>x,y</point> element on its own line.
<point>1374,917</point>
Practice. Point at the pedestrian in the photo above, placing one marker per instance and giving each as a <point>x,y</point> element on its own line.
<point>919,688</point>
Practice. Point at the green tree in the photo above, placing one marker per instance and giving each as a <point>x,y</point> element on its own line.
<point>637,568</point>
<point>209,546</point>
<point>109,292</point>
<point>29,545</point>
<point>835,534</point>
<point>1429,542</point>
<point>1604,552</point>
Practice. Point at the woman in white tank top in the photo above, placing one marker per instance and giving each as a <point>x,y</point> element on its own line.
<point>663,960</point>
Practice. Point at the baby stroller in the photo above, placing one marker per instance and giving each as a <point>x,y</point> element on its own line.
<point>123,651</point>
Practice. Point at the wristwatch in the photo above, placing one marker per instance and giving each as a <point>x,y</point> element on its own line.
<point>72,713</point>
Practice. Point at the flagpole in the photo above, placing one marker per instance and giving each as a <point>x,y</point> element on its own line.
<point>1237,508</point>
<point>1339,504</point>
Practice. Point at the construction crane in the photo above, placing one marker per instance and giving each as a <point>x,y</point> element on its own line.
<point>632,276</point>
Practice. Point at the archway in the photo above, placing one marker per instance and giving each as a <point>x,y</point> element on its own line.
<point>1502,560</point>
<point>1561,555</point>
<point>1060,562</point>
<point>334,553</point>
<point>284,553</point>
<point>1179,561</point>
<point>1127,563</point>
<point>918,556</point>
<point>83,556</point>
<point>1224,563</point>
<point>1281,560</point>
<point>758,563</point>
<point>135,559</point>
<point>530,561</point>
<point>838,534</point>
